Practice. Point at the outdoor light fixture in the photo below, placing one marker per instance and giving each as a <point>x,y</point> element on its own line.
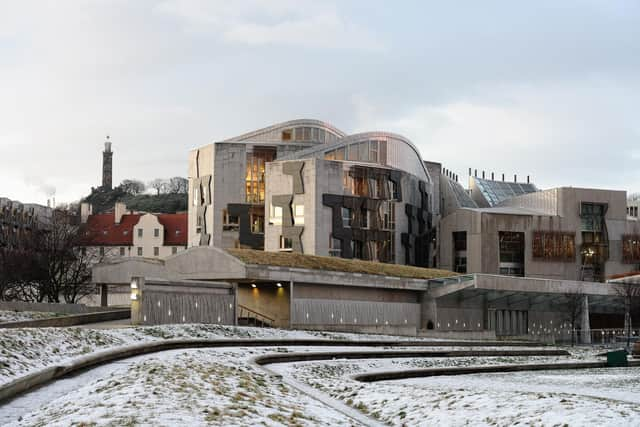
<point>134,296</point>
<point>134,284</point>
<point>253,285</point>
<point>279,284</point>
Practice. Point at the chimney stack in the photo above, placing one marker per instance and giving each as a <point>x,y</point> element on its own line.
<point>527,179</point>
<point>502,177</point>
<point>492,176</point>
<point>482,174</point>
<point>515,178</point>
<point>475,173</point>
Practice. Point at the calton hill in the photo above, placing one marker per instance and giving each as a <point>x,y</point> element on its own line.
<point>159,196</point>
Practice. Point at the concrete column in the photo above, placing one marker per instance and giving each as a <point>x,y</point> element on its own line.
<point>485,315</point>
<point>291,304</point>
<point>104,295</point>
<point>235,303</point>
<point>500,322</point>
<point>585,333</point>
<point>428,310</point>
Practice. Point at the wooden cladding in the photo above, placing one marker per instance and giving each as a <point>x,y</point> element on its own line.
<point>631,248</point>
<point>554,246</point>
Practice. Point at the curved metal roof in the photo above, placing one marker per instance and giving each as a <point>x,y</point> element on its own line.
<point>284,125</point>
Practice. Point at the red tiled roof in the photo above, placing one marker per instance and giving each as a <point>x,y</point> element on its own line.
<point>175,228</point>
<point>101,230</point>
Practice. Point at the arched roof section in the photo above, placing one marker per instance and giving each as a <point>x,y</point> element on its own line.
<point>301,130</point>
<point>390,150</point>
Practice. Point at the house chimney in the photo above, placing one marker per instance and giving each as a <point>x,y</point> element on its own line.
<point>119,210</point>
<point>475,173</point>
<point>528,179</point>
<point>86,209</point>
<point>482,174</point>
<point>502,177</point>
<point>469,171</point>
<point>515,178</point>
<point>492,176</point>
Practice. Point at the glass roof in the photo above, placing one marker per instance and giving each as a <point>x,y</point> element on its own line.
<point>495,192</point>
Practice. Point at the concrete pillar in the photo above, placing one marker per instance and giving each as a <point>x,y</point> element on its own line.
<point>500,322</point>
<point>104,295</point>
<point>235,303</point>
<point>585,326</point>
<point>291,304</point>
<point>428,310</point>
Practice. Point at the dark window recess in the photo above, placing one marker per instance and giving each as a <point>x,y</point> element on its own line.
<point>460,251</point>
<point>511,253</point>
<point>357,248</point>
<point>286,244</point>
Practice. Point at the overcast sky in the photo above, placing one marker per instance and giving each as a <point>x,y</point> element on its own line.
<point>547,89</point>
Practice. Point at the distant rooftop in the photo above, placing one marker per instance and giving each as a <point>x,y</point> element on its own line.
<point>312,262</point>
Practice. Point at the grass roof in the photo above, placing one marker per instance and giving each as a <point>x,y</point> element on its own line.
<point>312,262</point>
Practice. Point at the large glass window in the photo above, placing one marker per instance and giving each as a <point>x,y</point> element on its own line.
<point>335,246</point>
<point>347,217</point>
<point>511,253</point>
<point>286,244</point>
<point>254,181</point>
<point>230,222</point>
<point>553,246</point>
<point>275,215</point>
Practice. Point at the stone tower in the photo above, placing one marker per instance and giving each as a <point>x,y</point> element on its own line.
<point>107,166</point>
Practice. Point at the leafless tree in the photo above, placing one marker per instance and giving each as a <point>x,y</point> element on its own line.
<point>574,306</point>
<point>160,185</point>
<point>630,293</point>
<point>68,266</point>
<point>178,185</point>
<point>132,186</point>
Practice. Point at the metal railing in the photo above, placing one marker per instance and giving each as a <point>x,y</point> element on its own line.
<point>259,319</point>
<point>610,336</point>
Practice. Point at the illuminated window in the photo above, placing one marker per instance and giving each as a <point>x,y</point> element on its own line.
<point>631,249</point>
<point>287,135</point>
<point>553,246</point>
<point>254,178</point>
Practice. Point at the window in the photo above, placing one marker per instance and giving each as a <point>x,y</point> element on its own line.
<point>229,222</point>
<point>257,221</point>
<point>364,218</point>
<point>388,215</point>
<point>174,250</point>
<point>346,217</point>
<point>373,151</point>
<point>335,246</point>
<point>363,151</point>
<point>631,249</point>
<point>314,135</point>
<point>254,179</point>
<point>353,152</point>
<point>101,250</point>
<point>156,232</point>
<point>460,251</point>
<point>139,232</point>
<point>121,251</point>
<point>275,216</point>
<point>156,251</point>
<point>298,214</point>
<point>286,135</point>
<point>511,253</point>
<point>553,246</point>
<point>285,244</point>
<point>139,251</point>
<point>357,249</point>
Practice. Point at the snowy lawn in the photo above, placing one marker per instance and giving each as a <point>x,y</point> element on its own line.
<point>187,388</point>
<point>18,316</point>
<point>23,351</point>
<point>580,398</point>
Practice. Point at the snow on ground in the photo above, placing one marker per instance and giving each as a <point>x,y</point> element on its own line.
<point>23,351</point>
<point>17,316</point>
<point>573,398</point>
<point>189,388</point>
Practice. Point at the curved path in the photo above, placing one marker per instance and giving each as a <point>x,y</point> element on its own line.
<point>28,392</point>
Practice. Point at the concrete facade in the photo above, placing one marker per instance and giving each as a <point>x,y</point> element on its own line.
<point>551,211</point>
<point>287,187</point>
<point>476,304</point>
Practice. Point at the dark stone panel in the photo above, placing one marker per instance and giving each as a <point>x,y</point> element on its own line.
<point>284,201</point>
<point>246,237</point>
<point>336,202</point>
<point>420,231</point>
<point>295,170</point>
<point>295,234</point>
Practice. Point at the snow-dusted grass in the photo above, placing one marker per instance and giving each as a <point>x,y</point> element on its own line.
<point>187,388</point>
<point>23,351</point>
<point>18,316</point>
<point>583,398</point>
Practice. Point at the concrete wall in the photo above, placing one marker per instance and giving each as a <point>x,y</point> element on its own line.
<point>162,302</point>
<point>483,230</point>
<point>48,307</point>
